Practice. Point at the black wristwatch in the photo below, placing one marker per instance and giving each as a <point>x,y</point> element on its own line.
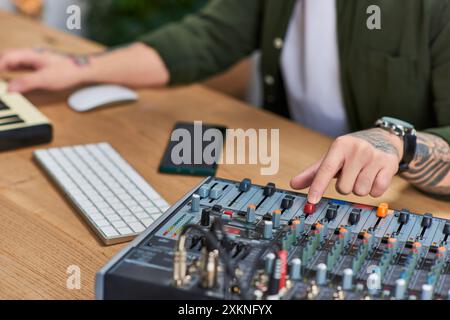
<point>405,131</point>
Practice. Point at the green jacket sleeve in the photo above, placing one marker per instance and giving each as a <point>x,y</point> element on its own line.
<point>210,41</point>
<point>440,59</point>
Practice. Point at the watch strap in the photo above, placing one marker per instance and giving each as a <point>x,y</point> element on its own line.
<point>409,151</point>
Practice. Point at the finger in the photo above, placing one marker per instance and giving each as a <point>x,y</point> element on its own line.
<point>382,182</point>
<point>15,59</point>
<point>27,83</point>
<point>305,178</point>
<point>365,180</point>
<point>348,176</point>
<point>328,169</point>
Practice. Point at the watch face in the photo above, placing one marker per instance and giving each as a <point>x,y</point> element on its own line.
<point>398,122</point>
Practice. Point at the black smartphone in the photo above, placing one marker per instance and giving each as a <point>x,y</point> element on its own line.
<point>194,149</point>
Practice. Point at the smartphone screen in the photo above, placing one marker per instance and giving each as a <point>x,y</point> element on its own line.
<point>193,149</point>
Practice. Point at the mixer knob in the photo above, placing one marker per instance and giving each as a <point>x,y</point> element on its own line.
<point>400,289</point>
<point>427,292</point>
<point>245,185</point>
<point>206,217</point>
<point>287,202</point>
<point>195,203</point>
<point>203,191</point>
<point>331,213</point>
<point>446,230</point>
<point>215,193</point>
<point>373,283</point>
<point>298,227</point>
<point>296,266</point>
<point>427,220</point>
<point>403,216</point>
<point>321,274</point>
<point>354,217</point>
<point>310,208</point>
<point>382,210</point>
<point>269,262</point>
<point>269,189</point>
<point>274,282</point>
<point>251,216</point>
<point>347,279</point>
<point>268,226</point>
<point>276,218</point>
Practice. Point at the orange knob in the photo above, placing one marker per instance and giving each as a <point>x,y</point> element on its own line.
<point>382,210</point>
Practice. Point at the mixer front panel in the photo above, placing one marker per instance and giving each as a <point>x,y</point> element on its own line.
<point>282,247</point>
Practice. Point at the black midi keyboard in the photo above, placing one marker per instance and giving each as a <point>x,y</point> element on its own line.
<point>236,240</point>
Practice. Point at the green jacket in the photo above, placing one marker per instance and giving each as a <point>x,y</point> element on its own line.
<point>402,70</point>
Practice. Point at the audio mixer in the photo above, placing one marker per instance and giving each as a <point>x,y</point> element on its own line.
<point>237,240</point>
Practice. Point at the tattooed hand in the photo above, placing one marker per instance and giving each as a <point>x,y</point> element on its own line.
<point>363,163</point>
<point>136,65</point>
<point>430,169</point>
<point>49,69</point>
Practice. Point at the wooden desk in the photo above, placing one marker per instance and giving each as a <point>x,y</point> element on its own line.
<point>41,234</point>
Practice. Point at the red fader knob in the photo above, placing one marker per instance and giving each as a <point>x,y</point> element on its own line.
<point>310,208</point>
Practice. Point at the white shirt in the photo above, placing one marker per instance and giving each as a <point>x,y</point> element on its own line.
<point>310,65</point>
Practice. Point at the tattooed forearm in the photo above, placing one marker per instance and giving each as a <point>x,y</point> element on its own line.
<point>80,60</point>
<point>430,169</point>
<point>378,139</point>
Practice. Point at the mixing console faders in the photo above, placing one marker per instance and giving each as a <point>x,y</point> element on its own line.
<point>236,240</point>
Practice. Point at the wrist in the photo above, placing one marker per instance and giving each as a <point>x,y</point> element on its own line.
<point>85,75</point>
<point>395,140</point>
<point>405,131</point>
<point>90,72</point>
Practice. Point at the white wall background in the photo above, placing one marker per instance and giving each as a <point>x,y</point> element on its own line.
<point>54,13</point>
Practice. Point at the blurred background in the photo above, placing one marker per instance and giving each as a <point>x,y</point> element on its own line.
<point>116,22</point>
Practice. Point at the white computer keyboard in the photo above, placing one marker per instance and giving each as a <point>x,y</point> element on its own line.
<point>114,199</point>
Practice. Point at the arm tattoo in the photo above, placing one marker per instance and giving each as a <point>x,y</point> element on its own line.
<point>430,169</point>
<point>80,60</point>
<point>378,139</point>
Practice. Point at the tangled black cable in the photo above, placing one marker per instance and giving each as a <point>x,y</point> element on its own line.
<point>212,243</point>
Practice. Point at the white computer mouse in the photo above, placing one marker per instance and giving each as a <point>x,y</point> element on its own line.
<point>100,96</point>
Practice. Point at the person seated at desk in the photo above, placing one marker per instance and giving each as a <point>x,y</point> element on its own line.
<point>323,65</point>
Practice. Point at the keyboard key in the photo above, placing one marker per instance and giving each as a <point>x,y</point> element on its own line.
<point>109,231</point>
<point>129,219</point>
<point>152,210</point>
<point>119,224</point>
<point>96,216</point>
<point>160,202</point>
<point>147,222</point>
<point>113,217</point>
<point>156,216</point>
<point>102,223</point>
<point>141,215</point>
<point>137,227</point>
<point>125,231</point>
<point>136,209</point>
